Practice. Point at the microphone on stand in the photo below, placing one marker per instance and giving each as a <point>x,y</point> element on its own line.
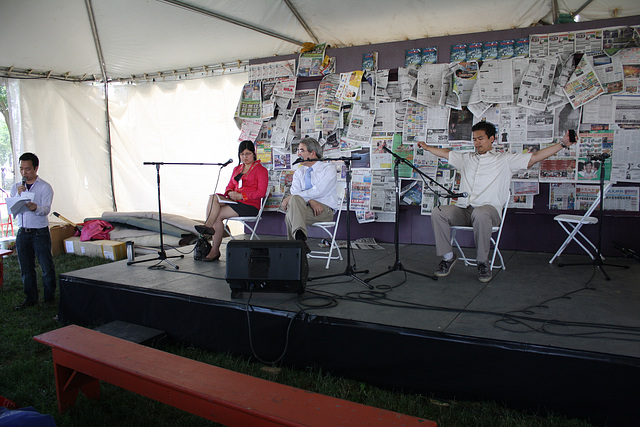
<point>228,162</point>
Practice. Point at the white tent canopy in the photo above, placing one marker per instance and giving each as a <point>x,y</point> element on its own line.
<point>188,120</point>
<point>139,37</point>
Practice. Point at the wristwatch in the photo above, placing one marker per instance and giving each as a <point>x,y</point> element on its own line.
<point>563,145</point>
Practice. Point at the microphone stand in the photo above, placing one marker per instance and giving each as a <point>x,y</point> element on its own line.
<point>350,270</point>
<point>397,266</point>
<point>597,261</point>
<point>162,254</point>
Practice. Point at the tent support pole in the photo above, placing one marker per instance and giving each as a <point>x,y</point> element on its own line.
<point>231,20</point>
<point>105,80</point>
<point>301,20</point>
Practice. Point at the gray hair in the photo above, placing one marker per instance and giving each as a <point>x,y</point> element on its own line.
<point>313,145</point>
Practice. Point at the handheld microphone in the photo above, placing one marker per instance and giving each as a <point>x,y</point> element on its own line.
<point>299,160</point>
<point>24,181</point>
<point>228,162</point>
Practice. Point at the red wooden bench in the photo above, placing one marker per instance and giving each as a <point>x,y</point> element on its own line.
<point>82,357</point>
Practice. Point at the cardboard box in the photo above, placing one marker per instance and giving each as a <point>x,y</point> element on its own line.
<point>109,249</point>
<point>58,234</point>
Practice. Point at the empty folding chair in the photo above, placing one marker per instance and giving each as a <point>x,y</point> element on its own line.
<point>572,224</point>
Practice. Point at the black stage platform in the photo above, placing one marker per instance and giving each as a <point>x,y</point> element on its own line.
<point>536,336</point>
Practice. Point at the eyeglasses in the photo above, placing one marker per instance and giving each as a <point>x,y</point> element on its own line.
<point>302,150</point>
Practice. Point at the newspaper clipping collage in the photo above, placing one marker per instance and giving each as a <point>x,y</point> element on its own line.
<point>533,90</point>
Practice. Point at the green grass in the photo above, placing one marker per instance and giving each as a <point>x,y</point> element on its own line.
<point>26,377</point>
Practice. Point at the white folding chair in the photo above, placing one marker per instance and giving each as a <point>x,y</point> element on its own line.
<point>331,228</point>
<point>495,242</point>
<point>572,224</point>
<point>247,221</point>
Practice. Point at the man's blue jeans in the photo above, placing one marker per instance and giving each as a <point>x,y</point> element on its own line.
<point>36,243</point>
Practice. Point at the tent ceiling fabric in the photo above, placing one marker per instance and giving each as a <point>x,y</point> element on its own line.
<point>147,36</point>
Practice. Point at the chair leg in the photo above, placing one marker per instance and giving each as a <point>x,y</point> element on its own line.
<point>463,257</point>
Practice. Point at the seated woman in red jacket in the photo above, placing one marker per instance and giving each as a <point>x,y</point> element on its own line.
<point>248,184</point>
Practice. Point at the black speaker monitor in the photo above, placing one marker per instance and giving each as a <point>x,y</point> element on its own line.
<point>266,266</point>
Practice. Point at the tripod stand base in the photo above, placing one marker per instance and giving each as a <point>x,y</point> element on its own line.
<point>349,271</point>
<point>397,266</point>
<point>597,263</point>
<point>162,256</point>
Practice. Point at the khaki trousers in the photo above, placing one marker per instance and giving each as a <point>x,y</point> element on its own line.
<point>482,218</point>
<point>299,215</point>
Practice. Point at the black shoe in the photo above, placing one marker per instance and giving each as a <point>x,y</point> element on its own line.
<point>444,268</point>
<point>484,272</point>
<point>306,248</point>
<point>300,235</point>
<point>24,304</point>
<point>204,230</point>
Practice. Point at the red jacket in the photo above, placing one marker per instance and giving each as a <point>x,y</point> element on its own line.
<point>254,183</point>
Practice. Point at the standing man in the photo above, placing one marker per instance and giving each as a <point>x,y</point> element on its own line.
<point>313,191</point>
<point>33,239</point>
<point>485,176</point>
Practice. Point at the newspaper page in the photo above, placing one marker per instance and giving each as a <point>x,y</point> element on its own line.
<point>585,196</point>
<point>626,156</point>
<point>622,199</point>
<point>281,158</point>
<point>310,62</point>
<point>562,196</point>
<point>411,194</point>
<point>407,81</point>
<point>536,83</point>
<point>583,86</point>
<point>349,86</point>
<point>429,83</point>
<point>561,43</point>
<point>513,124</point>
<point>521,201</point>
<point>327,93</point>
<point>361,121</point>
<point>538,45</point>
<point>279,184</point>
<point>380,87</point>
<point>460,124</point>
<point>438,126</point>
<point>588,41</point>
<point>285,88</point>
<point>608,69</point>
<point>426,162</point>
<point>360,189</point>
<point>565,118</point>
<point>250,101</point>
<point>496,81</point>
<point>281,127</point>
<point>381,159</point>
<point>564,70</point>
<point>630,59</point>
<point>599,111</point>
<point>540,125</point>
<point>465,76</point>
<point>415,123</point>
<point>385,120</point>
<point>305,98</point>
<point>627,111</point>
<point>250,130</point>
<point>406,152</point>
<point>557,170</point>
<point>383,194</point>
